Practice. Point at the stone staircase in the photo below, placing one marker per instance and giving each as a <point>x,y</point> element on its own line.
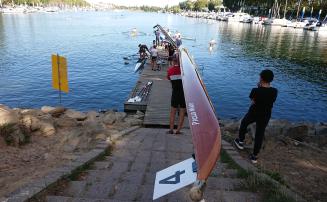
<point>128,174</point>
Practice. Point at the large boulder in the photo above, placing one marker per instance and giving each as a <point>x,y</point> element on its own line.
<point>321,130</point>
<point>33,112</point>
<point>139,115</point>
<point>120,116</point>
<point>131,121</point>
<point>8,116</point>
<point>30,122</point>
<point>298,132</point>
<point>54,111</point>
<point>230,125</point>
<point>66,122</point>
<point>109,118</point>
<point>47,129</point>
<point>92,116</point>
<point>79,116</point>
<point>47,109</point>
<point>45,126</point>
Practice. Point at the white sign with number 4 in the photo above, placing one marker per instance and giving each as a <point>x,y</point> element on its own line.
<point>174,177</point>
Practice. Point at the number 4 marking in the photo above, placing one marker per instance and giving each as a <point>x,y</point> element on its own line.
<point>176,176</point>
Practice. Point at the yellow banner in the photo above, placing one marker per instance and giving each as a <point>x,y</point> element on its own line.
<point>59,73</point>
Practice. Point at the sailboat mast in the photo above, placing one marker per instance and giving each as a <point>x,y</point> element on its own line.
<point>298,9</point>
<point>285,9</point>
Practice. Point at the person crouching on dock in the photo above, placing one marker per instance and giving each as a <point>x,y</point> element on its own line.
<point>142,51</point>
<point>154,56</point>
<point>263,98</point>
<point>177,97</point>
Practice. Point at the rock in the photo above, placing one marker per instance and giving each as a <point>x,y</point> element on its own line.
<point>8,116</point>
<point>30,122</point>
<point>321,130</point>
<point>79,116</point>
<point>101,136</point>
<point>132,121</point>
<point>58,111</point>
<point>298,132</point>
<point>47,129</point>
<point>109,118</point>
<point>47,109</point>
<point>231,126</point>
<point>66,122</point>
<point>92,116</point>
<point>120,116</point>
<point>139,115</point>
<point>33,112</point>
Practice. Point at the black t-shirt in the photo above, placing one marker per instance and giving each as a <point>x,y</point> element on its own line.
<point>171,50</point>
<point>263,99</point>
<point>143,48</point>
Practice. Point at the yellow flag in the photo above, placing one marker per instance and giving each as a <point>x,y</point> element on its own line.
<point>59,73</point>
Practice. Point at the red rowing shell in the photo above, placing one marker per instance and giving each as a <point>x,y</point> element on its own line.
<point>202,118</point>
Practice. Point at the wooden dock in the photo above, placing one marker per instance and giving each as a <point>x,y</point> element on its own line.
<point>157,104</point>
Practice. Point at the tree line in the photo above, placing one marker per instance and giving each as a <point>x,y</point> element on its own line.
<point>258,7</point>
<point>45,2</point>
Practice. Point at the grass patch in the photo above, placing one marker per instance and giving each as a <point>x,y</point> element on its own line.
<point>79,172</point>
<point>103,155</point>
<point>15,134</point>
<point>252,182</point>
<point>274,175</point>
<point>225,158</point>
<point>6,131</point>
<point>269,190</point>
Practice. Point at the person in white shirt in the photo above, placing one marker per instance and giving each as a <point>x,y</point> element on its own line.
<point>154,56</point>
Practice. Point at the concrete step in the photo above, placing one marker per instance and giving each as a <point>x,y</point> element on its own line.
<point>75,189</point>
<point>102,165</point>
<point>230,196</point>
<point>228,173</point>
<point>71,199</point>
<point>226,184</point>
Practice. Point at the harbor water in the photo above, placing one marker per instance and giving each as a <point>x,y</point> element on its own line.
<point>95,44</point>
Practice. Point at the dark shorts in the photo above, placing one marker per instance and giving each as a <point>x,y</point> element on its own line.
<point>170,58</point>
<point>154,58</point>
<point>178,100</point>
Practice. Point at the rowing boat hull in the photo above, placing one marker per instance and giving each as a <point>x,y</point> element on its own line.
<point>139,64</point>
<point>202,118</point>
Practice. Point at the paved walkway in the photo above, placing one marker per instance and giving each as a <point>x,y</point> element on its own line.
<point>128,174</point>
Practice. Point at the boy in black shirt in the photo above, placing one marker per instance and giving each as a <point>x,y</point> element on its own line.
<point>263,98</point>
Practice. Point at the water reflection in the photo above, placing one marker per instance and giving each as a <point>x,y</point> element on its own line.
<point>307,50</point>
<point>94,45</point>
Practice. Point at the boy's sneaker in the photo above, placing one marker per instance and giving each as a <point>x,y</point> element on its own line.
<point>253,158</point>
<point>239,144</point>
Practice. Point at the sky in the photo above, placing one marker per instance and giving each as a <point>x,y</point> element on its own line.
<point>159,3</point>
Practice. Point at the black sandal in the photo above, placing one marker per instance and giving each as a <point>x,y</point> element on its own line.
<point>170,132</point>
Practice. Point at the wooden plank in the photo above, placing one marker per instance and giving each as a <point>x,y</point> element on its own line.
<point>158,103</point>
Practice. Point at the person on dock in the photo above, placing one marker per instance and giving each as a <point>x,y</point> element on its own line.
<point>263,98</point>
<point>154,56</point>
<point>171,51</point>
<point>177,97</point>
<point>142,50</point>
<point>157,34</point>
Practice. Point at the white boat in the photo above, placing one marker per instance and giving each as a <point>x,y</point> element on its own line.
<point>277,22</point>
<point>246,18</point>
<point>299,24</point>
<point>236,17</point>
<point>13,10</point>
<point>320,28</point>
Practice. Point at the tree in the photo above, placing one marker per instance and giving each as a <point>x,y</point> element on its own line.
<point>213,4</point>
<point>200,4</point>
<point>186,5</point>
